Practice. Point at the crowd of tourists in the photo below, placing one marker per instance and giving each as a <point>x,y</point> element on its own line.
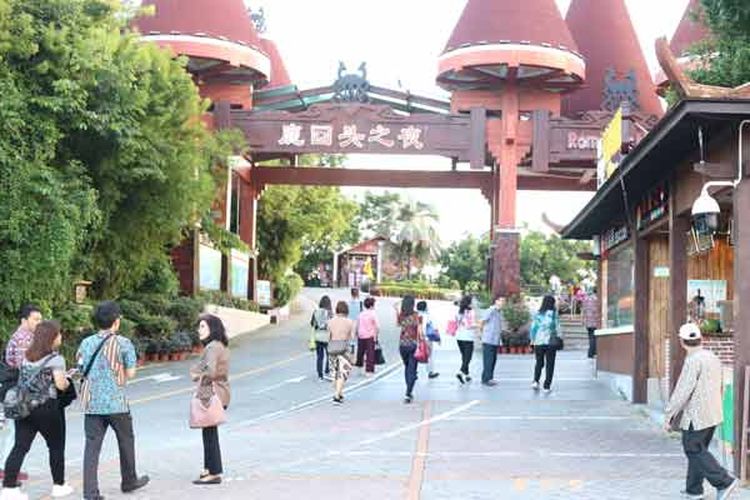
<point>37,387</point>
<point>354,323</point>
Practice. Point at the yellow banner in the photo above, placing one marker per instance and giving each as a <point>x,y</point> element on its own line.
<point>611,144</point>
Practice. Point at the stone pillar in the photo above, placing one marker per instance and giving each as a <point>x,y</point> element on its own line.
<point>506,272</point>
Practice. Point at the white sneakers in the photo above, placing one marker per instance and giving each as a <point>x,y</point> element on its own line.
<point>58,490</point>
<point>13,494</point>
<point>61,490</point>
<point>535,386</point>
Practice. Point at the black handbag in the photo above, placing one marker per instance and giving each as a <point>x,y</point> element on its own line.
<point>66,397</point>
<point>379,358</point>
<point>555,341</point>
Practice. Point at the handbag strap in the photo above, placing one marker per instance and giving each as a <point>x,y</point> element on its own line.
<point>93,357</point>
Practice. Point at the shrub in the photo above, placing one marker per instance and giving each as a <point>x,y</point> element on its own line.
<point>288,288</point>
<point>185,311</point>
<point>516,313</point>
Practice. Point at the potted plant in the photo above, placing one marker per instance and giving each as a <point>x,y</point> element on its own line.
<point>516,315</point>
<point>505,337</point>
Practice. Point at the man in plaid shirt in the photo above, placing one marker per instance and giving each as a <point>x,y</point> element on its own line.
<point>15,353</point>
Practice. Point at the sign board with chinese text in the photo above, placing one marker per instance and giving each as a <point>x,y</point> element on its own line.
<point>363,128</point>
<point>614,237</point>
<point>610,148</point>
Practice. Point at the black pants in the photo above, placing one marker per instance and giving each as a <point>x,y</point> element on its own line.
<point>701,464</point>
<point>321,351</point>
<point>410,366</point>
<point>48,421</point>
<point>95,427</point>
<point>366,350</point>
<point>490,359</point>
<point>467,350</point>
<point>545,358</point>
<point>592,342</point>
<point>211,451</point>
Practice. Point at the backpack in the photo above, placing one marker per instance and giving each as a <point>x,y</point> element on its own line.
<point>34,388</point>
<point>320,319</point>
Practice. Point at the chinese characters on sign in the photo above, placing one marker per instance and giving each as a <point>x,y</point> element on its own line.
<point>293,134</point>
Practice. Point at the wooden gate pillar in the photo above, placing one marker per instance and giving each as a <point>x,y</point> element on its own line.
<point>248,210</point>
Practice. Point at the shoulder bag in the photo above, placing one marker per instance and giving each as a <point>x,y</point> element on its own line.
<point>206,409</point>
<point>555,341</point>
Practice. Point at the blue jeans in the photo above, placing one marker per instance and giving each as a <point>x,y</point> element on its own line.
<point>321,350</point>
<point>410,366</point>
<point>490,359</point>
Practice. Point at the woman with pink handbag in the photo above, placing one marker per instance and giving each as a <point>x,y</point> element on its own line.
<point>212,395</point>
<point>412,334</point>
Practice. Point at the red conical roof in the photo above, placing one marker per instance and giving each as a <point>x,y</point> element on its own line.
<point>690,30</point>
<point>223,19</point>
<point>279,74</point>
<point>537,22</point>
<point>606,38</point>
<point>526,41</point>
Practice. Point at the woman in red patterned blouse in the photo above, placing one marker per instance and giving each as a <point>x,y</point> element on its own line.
<point>411,332</point>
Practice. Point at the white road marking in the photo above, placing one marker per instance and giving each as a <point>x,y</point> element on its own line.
<point>295,380</point>
<point>535,417</point>
<point>158,378</point>
<point>437,418</point>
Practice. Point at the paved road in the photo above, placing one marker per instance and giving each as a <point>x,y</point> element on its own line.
<point>285,440</point>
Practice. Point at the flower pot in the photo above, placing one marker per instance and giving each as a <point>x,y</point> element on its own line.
<point>163,356</point>
<point>141,361</point>
<point>151,357</point>
<point>197,349</point>
<point>184,355</point>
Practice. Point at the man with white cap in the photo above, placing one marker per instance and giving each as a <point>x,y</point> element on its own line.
<point>695,406</point>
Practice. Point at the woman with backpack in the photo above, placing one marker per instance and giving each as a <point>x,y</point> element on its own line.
<point>43,372</point>
<point>319,324</point>
<point>410,323</point>
<point>544,327</point>
<point>465,334</point>
<point>340,334</point>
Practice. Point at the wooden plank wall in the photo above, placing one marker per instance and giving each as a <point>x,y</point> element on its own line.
<point>658,311</point>
<point>718,264</point>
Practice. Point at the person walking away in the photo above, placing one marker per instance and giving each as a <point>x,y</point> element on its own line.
<point>212,373</point>
<point>319,323</point>
<point>432,335</point>
<point>368,331</point>
<point>340,334</point>
<point>355,309</point>
<point>410,324</point>
<point>492,327</point>
<point>15,354</point>
<point>467,328</point>
<point>46,368</point>
<point>107,360</point>
<point>696,408</point>
<point>591,319</point>
<point>545,324</point>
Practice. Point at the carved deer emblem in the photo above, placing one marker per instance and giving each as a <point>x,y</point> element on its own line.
<point>351,87</point>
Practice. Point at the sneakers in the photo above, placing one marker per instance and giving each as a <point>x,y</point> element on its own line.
<point>408,399</point>
<point>726,492</point>
<point>328,378</point>
<point>535,386</point>
<point>338,400</point>
<point>692,496</point>
<point>547,390</point>
<point>490,383</point>
<point>13,494</point>
<point>460,377</point>
<point>468,378</point>
<point>139,483</point>
<point>61,490</point>
<point>433,375</point>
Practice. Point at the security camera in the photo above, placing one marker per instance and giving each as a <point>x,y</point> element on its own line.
<point>706,210</point>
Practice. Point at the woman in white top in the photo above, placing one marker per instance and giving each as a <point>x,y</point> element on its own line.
<point>465,334</point>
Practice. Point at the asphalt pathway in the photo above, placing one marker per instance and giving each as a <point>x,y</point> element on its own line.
<point>285,440</point>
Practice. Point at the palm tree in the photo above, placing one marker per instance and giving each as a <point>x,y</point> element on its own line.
<point>416,233</point>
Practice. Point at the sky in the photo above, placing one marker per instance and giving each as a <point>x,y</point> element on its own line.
<point>401,40</point>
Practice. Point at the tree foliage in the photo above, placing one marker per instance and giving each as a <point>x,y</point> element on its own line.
<point>103,155</point>
<point>726,55</point>
<point>465,261</point>
<point>543,256</point>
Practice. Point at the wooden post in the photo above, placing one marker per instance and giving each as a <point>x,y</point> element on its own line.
<point>741,309</point>
<point>641,335</point>
<point>679,225</point>
<point>477,154</point>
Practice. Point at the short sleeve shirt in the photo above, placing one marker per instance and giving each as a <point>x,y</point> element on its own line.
<point>409,328</point>
<point>107,397</point>
<point>56,363</point>
<point>492,326</point>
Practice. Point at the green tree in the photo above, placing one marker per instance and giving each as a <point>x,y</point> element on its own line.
<point>103,155</point>
<point>726,55</point>
<point>465,261</point>
<point>416,233</point>
<point>378,213</point>
<point>542,256</point>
